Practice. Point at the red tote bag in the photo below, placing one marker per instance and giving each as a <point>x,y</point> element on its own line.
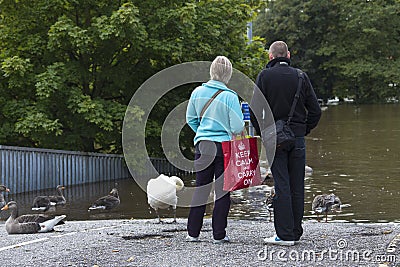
<point>241,164</point>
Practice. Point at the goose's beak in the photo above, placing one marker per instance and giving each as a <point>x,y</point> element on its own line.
<point>7,189</point>
<point>5,207</point>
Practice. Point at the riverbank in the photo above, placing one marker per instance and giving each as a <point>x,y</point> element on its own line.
<point>144,243</point>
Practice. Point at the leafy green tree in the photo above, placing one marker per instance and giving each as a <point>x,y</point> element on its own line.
<point>345,46</point>
<point>362,50</point>
<point>69,68</point>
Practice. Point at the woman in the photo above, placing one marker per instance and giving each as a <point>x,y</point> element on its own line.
<point>221,120</point>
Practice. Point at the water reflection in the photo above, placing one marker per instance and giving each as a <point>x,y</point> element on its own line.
<point>354,153</point>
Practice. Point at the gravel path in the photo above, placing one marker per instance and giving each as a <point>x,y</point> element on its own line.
<point>145,243</point>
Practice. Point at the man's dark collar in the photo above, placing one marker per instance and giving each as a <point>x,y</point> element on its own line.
<point>278,59</point>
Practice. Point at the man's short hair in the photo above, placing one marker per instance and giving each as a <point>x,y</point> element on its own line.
<point>221,69</point>
<point>278,49</point>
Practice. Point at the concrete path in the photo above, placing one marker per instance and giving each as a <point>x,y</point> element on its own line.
<point>145,243</point>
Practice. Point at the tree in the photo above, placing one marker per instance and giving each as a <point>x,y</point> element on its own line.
<point>69,68</point>
<point>363,50</point>
<point>343,45</point>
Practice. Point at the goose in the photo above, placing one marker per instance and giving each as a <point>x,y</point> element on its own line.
<point>3,188</point>
<point>107,202</point>
<point>29,223</point>
<point>43,203</point>
<point>58,199</point>
<point>270,202</point>
<point>327,203</point>
<point>161,193</point>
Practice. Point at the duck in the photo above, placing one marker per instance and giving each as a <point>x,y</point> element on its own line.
<point>270,202</point>
<point>107,202</point>
<point>29,223</point>
<point>43,203</point>
<point>3,188</point>
<point>161,193</point>
<point>325,203</point>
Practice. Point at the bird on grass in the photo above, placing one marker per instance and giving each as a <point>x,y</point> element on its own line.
<point>327,203</point>
<point>107,202</point>
<point>3,188</point>
<point>29,223</point>
<point>43,203</point>
<point>161,193</point>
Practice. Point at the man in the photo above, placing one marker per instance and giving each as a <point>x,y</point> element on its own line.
<point>278,83</point>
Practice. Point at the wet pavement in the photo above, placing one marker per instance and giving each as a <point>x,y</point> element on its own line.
<point>145,243</point>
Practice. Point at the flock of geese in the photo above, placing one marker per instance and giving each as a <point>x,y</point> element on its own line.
<point>161,194</point>
<point>41,223</point>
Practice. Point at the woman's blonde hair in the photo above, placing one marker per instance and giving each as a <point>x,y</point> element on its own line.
<point>221,69</point>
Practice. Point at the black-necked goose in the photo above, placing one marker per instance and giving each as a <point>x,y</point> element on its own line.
<point>161,193</point>
<point>107,202</point>
<point>3,188</point>
<point>29,223</point>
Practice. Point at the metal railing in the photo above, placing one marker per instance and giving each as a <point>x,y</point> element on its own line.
<point>25,169</point>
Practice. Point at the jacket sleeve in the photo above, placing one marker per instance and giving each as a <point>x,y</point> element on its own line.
<point>191,115</point>
<point>312,106</point>
<point>236,122</point>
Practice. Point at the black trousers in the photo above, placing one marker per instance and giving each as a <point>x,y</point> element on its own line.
<point>288,172</point>
<point>209,163</point>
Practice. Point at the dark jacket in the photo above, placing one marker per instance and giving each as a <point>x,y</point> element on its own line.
<point>278,83</point>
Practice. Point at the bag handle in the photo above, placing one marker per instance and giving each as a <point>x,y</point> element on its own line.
<point>297,95</point>
<point>209,103</point>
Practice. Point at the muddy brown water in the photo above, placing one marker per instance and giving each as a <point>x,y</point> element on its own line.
<point>354,153</point>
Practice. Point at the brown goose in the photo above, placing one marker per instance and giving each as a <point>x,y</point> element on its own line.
<point>107,202</point>
<point>29,223</point>
<point>3,188</point>
<point>327,203</point>
<point>43,203</point>
<point>59,199</point>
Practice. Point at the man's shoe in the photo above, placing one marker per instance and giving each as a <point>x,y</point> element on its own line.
<point>277,241</point>
<point>226,239</point>
<point>192,239</point>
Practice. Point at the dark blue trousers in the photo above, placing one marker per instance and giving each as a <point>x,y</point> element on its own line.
<point>209,165</point>
<point>288,172</point>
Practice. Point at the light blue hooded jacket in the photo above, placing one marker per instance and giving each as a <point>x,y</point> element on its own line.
<point>222,118</point>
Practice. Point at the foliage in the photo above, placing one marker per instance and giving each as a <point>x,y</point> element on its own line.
<point>69,68</point>
<point>345,46</point>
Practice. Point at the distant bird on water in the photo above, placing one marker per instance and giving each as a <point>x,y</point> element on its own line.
<point>161,193</point>
<point>43,203</point>
<point>29,223</point>
<point>107,202</point>
<point>3,188</point>
<point>327,203</point>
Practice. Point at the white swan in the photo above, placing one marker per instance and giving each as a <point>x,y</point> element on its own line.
<point>161,193</point>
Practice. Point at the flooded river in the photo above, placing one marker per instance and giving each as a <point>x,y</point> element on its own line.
<point>354,152</point>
